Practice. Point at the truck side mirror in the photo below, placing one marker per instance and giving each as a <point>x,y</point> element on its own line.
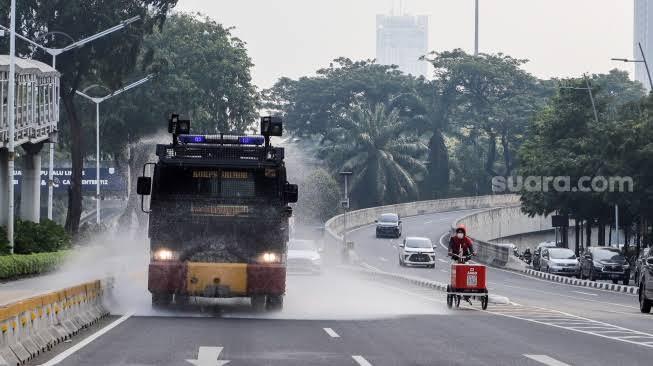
<point>144,186</point>
<point>290,193</point>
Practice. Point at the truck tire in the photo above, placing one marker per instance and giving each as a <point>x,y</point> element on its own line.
<point>161,299</point>
<point>644,303</point>
<point>182,300</point>
<point>258,303</point>
<point>274,303</point>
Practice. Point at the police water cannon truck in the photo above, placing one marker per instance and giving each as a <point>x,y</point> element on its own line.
<point>219,216</point>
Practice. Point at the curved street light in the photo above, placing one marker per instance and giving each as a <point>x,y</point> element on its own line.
<point>54,52</point>
<point>98,101</point>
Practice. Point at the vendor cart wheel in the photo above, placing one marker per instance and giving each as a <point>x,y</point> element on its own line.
<point>484,301</point>
<point>450,301</point>
<point>457,300</point>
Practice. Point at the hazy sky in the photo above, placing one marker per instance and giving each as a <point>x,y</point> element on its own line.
<point>559,37</point>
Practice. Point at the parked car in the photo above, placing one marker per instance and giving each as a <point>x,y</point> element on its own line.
<point>560,261</point>
<point>646,284</point>
<point>603,263</point>
<point>388,225</point>
<point>639,262</point>
<point>538,252</point>
<point>304,257</point>
<point>417,251</point>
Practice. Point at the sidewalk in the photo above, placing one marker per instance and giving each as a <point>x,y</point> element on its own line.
<point>111,256</point>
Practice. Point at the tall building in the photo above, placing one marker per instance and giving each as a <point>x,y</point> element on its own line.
<point>401,40</point>
<point>643,33</point>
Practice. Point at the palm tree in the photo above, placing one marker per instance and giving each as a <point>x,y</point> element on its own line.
<point>381,150</point>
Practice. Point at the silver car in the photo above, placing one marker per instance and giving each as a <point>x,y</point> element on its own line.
<point>304,257</point>
<point>560,261</point>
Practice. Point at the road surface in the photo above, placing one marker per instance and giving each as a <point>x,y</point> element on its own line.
<point>340,318</point>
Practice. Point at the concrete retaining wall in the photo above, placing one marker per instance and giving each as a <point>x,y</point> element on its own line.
<point>34,325</point>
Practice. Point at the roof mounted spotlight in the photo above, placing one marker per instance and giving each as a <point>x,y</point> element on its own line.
<point>271,126</point>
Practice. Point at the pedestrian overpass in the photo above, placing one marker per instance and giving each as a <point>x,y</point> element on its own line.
<point>37,117</point>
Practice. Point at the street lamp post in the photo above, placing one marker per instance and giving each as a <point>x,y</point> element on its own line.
<point>97,102</point>
<point>345,206</point>
<point>588,87</point>
<point>54,52</point>
<point>643,60</point>
<point>476,29</point>
<point>11,115</point>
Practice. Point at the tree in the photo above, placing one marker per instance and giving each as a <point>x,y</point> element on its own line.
<point>377,145</point>
<point>488,98</point>
<point>106,61</point>
<point>202,72</point>
<point>313,105</point>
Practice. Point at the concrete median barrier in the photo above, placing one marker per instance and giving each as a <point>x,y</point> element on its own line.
<point>34,325</point>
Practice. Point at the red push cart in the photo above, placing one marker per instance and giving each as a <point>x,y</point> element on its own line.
<point>467,281</point>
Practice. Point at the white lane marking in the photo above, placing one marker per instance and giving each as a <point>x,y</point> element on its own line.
<point>544,359</point>
<point>585,293</point>
<point>331,333</point>
<point>361,360</point>
<point>442,260</point>
<point>428,222</point>
<point>370,267</point>
<point>67,353</point>
<point>444,271</point>
<point>208,356</point>
<point>382,259</point>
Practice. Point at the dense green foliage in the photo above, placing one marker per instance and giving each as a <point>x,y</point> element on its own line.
<point>566,140</point>
<point>410,138</point>
<point>30,237</point>
<point>19,265</point>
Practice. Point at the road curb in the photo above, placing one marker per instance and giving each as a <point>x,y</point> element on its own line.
<point>583,283</point>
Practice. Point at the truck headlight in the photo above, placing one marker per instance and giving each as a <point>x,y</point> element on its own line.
<point>165,255</point>
<point>270,257</point>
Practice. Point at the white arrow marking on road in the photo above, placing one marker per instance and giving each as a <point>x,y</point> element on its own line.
<point>361,361</point>
<point>331,333</point>
<point>547,360</point>
<point>383,259</point>
<point>208,356</point>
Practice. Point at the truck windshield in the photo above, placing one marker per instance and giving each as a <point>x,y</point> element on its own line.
<point>217,183</point>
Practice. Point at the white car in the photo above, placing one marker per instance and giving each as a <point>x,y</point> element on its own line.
<point>417,251</point>
<point>304,257</point>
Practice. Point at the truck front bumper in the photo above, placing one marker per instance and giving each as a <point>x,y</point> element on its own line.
<point>216,279</point>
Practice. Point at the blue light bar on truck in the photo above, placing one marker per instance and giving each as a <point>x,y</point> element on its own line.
<point>221,140</point>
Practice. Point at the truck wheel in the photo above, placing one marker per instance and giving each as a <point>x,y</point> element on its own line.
<point>258,303</point>
<point>644,303</point>
<point>449,301</point>
<point>592,276</point>
<point>161,299</point>
<point>457,300</point>
<point>182,300</point>
<point>274,303</point>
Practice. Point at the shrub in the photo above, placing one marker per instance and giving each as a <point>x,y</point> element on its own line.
<point>30,237</point>
<point>18,265</point>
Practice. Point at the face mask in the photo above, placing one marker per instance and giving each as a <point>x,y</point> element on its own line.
<point>460,235</point>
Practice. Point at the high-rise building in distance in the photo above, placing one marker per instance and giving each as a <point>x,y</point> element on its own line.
<point>401,40</point>
<point>643,33</point>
